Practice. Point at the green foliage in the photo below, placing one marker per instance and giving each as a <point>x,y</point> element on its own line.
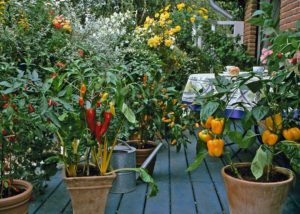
<point>225,50</point>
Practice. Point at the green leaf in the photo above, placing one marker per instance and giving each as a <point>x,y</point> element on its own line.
<point>255,86</point>
<point>148,179</point>
<point>6,84</point>
<point>128,113</point>
<point>259,162</point>
<point>44,105</point>
<point>259,112</point>
<point>9,90</point>
<point>248,139</point>
<point>235,136</point>
<point>208,109</point>
<point>269,30</point>
<point>258,12</point>
<point>200,157</point>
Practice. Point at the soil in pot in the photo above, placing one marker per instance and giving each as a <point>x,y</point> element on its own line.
<point>250,197</point>
<point>18,200</point>
<point>247,175</point>
<point>143,150</point>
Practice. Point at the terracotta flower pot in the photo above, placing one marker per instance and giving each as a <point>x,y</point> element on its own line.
<point>18,203</point>
<point>89,194</point>
<point>143,153</point>
<point>250,197</point>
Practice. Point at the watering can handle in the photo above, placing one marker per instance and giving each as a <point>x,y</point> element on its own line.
<point>124,143</point>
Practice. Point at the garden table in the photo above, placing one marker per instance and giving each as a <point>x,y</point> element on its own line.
<point>205,82</point>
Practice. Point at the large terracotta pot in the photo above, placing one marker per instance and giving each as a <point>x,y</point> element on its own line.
<point>17,204</point>
<point>250,197</point>
<point>143,153</point>
<point>89,193</point>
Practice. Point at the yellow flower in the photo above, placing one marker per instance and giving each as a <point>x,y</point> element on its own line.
<point>148,20</point>
<point>153,42</point>
<point>168,42</point>
<point>167,7</point>
<point>205,17</point>
<point>177,29</point>
<point>162,23</point>
<point>189,9</point>
<point>146,25</point>
<point>164,16</point>
<point>180,6</point>
<point>193,19</point>
<point>170,22</point>
<point>204,10</point>
<point>156,15</point>
<point>68,28</point>
<point>171,32</point>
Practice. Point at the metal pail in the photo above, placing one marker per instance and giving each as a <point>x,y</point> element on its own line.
<point>124,156</point>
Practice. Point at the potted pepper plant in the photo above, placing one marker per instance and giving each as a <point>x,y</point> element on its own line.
<point>89,123</point>
<point>275,112</point>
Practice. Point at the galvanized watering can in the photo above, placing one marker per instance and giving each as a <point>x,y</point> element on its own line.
<point>124,156</point>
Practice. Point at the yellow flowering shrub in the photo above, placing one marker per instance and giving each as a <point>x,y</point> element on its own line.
<point>180,6</point>
<point>168,22</point>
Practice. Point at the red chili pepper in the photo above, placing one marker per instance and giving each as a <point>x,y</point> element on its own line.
<point>105,125</point>
<point>82,89</point>
<point>12,139</point>
<point>98,104</point>
<point>5,98</point>
<point>81,101</point>
<point>90,119</point>
<point>14,106</point>
<point>4,132</point>
<point>5,106</point>
<point>97,131</point>
<point>31,108</point>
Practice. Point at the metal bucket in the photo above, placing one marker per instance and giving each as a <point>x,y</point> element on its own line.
<point>124,156</point>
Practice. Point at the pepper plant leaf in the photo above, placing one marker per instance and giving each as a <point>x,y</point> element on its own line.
<point>128,113</point>
<point>208,109</point>
<point>198,160</point>
<point>259,162</point>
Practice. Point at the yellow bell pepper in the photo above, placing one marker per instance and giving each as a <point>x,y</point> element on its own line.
<point>274,123</point>
<point>204,136</point>
<point>215,147</point>
<point>217,125</point>
<point>269,138</point>
<point>207,123</point>
<point>292,134</point>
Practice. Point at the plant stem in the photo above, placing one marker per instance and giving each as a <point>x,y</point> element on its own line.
<point>233,168</point>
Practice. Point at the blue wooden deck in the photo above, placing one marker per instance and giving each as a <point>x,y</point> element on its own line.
<point>201,191</point>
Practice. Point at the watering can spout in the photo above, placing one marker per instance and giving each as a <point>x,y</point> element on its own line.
<point>150,157</point>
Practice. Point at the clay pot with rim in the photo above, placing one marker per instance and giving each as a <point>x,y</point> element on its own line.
<point>89,193</point>
<point>18,203</point>
<point>143,150</point>
<point>250,197</point>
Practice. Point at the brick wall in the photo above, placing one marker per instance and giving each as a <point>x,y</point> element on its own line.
<point>250,30</point>
<point>289,14</point>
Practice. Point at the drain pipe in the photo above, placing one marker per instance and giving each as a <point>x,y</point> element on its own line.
<point>217,8</point>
